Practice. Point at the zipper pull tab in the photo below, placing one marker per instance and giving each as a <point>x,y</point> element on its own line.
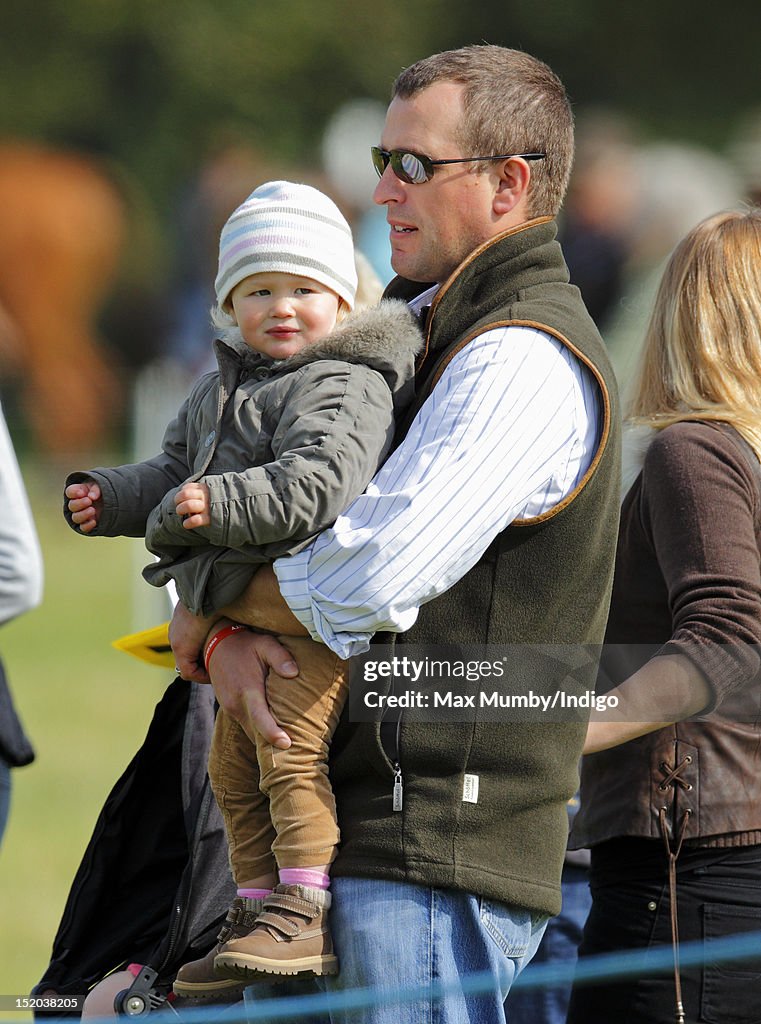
<point>398,789</point>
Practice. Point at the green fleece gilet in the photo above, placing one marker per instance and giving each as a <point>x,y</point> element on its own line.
<point>542,581</point>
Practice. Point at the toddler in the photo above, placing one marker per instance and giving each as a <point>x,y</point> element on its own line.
<point>264,453</point>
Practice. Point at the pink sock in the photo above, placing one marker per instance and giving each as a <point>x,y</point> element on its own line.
<point>254,894</point>
<point>304,876</point>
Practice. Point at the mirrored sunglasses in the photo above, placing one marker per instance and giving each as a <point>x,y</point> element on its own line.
<point>414,168</point>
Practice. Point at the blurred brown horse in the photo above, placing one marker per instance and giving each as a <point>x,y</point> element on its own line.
<point>62,225</point>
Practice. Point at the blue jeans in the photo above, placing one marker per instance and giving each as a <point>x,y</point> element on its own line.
<point>559,945</point>
<point>392,936</point>
<point>5,794</point>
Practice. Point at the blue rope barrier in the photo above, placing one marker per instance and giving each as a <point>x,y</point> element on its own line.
<point>607,966</point>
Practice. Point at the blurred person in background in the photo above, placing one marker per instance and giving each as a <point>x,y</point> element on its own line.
<point>548,1004</point>
<point>353,129</point>
<point>229,172</point>
<point>691,183</point>
<point>598,220</point>
<point>20,591</point>
<point>670,806</point>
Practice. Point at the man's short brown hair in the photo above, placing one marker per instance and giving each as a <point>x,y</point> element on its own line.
<point>513,104</point>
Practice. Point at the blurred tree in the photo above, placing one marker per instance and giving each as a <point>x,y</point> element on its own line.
<point>156,89</point>
<point>683,70</point>
<point>154,84</point>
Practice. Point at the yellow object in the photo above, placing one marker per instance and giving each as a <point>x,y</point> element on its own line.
<point>151,645</point>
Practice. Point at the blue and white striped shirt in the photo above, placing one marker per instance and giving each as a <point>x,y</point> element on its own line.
<point>509,430</point>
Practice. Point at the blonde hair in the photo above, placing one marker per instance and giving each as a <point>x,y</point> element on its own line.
<point>702,350</point>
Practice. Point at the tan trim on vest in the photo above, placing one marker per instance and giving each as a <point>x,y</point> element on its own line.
<point>458,270</point>
<point>587,362</point>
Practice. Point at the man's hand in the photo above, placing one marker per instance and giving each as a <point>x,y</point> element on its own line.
<point>239,668</point>
<point>193,502</point>
<point>85,504</point>
<point>187,633</point>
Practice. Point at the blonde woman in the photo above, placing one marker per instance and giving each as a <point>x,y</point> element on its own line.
<point>671,804</point>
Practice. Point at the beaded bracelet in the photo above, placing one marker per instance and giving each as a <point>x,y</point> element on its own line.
<point>218,638</point>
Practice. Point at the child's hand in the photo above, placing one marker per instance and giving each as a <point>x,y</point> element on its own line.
<point>192,501</point>
<point>85,504</point>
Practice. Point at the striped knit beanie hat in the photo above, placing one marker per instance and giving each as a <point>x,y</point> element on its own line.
<point>292,229</point>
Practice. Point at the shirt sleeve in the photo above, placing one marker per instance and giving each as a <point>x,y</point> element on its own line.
<point>699,506</point>
<point>130,493</point>
<point>20,557</point>
<point>507,432</point>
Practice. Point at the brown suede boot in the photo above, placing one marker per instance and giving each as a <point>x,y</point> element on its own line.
<point>197,979</point>
<point>291,937</point>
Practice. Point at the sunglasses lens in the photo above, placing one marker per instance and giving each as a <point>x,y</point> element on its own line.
<point>406,166</point>
<point>380,160</point>
<point>409,168</point>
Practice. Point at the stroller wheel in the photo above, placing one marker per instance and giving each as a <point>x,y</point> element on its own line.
<point>141,997</point>
<point>131,1004</point>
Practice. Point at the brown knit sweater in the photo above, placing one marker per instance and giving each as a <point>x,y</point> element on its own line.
<point>687,580</point>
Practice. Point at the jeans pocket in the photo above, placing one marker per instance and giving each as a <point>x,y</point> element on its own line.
<point>731,990</point>
<point>510,927</point>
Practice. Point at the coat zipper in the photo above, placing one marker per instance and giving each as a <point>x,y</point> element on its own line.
<point>397,800</point>
<point>398,796</point>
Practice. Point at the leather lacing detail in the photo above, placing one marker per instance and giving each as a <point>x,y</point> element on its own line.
<point>673,779</point>
<point>672,776</point>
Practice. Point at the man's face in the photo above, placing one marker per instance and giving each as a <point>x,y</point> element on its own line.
<point>434,225</point>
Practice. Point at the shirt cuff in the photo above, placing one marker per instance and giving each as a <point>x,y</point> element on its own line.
<point>292,574</point>
<point>728,668</point>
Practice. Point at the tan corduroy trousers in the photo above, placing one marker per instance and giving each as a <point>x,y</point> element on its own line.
<point>279,803</point>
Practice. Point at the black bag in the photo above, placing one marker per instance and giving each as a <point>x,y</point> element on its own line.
<point>154,884</point>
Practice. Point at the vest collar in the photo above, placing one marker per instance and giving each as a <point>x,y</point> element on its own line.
<point>524,256</point>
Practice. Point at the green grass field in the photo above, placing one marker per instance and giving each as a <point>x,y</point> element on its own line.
<point>85,706</point>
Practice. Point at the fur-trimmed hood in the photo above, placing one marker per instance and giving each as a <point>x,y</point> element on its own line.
<point>386,337</point>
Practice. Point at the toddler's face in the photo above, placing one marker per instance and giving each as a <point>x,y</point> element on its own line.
<point>279,314</point>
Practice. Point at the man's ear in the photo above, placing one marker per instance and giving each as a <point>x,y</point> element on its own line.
<point>513,185</point>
